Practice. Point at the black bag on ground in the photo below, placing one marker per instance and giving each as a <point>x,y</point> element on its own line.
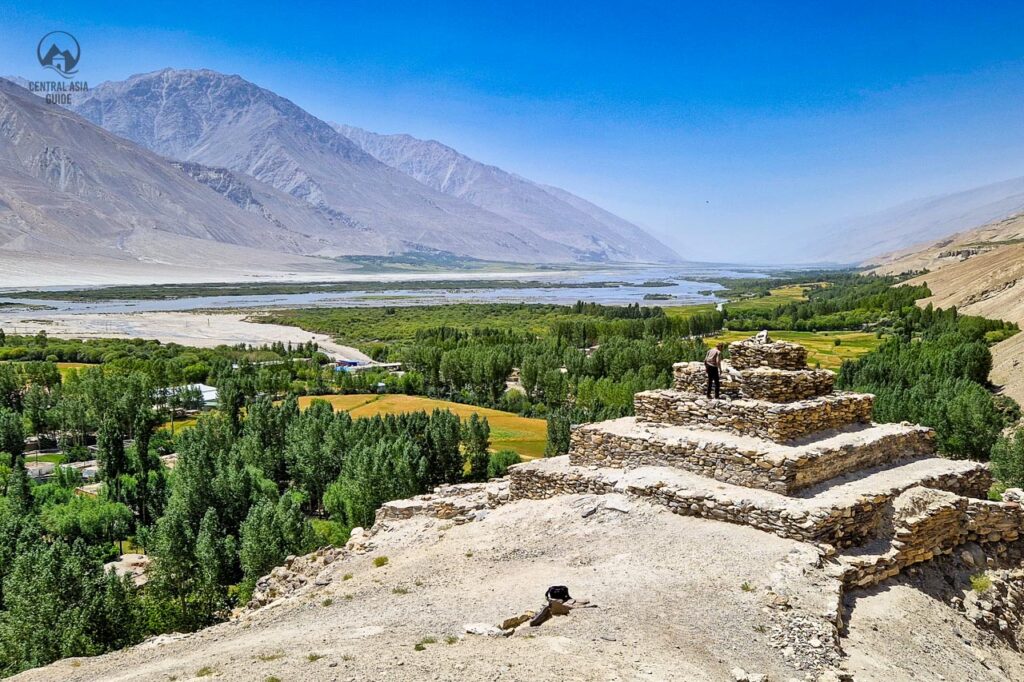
<point>559,592</point>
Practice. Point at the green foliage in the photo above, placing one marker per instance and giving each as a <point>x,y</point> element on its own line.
<point>1008,460</point>
<point>939,380</point>
<point>500,461</point>
<point>980,583</point>
<point>476,438</point>
<point>373,474</point>
<point>58,602</point>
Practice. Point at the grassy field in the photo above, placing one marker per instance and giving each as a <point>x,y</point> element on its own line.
<point>66,367</point>
<point>508,431</point>
<point>687,311</point>
<point>179,424</point>
<point>821,346</point>
<point>778,296</point>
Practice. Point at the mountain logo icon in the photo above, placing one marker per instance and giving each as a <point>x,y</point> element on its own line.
<point>59,51</point>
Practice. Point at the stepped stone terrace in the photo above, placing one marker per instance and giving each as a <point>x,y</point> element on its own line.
<point>784,452</point>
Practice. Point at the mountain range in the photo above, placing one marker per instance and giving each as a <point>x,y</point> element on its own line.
<point>143,169</point>
<point>913,225</point>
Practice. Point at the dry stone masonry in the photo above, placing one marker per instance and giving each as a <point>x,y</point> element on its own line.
<point>784,453</point>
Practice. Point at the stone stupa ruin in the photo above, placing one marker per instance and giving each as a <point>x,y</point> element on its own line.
<point>785,453</point>
<point>782,452</point>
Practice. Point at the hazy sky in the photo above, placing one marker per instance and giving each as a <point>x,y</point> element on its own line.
<point>725,128</point>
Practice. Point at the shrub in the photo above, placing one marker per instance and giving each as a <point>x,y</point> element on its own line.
<point>980,583</point>
<point>380,561</point>
<point>501,461</point>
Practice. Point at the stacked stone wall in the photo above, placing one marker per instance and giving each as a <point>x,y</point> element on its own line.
<point>936,523</point>
<point>749,353</point>
<point>842,525</point>
<point>818,466</point>
<point>715,459</point>
<point>759,383</point>
<point>782,422</point>
<point>764,465</point>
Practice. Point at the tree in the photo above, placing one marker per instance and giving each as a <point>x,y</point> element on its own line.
<point>215,555</point>
<point>262,546</point>
<point>1008,460</point>
<point>314,445</point>
<point>12,434</point>
<point>372,475</point>
<point>111,454</point>
<point>10,387</point>
<point>36,405</point>
<point>174,565</point>
<point>441,449</point>
<point>476,437</point>
<point>500,462</point>
<point>60,602</point>
<point>559,428</point>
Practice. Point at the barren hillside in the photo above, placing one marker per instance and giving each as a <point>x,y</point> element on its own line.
<point>676,598</point>
<point>667,590</point>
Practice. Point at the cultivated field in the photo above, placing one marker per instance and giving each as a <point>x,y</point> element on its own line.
<point>821,346</point>
<point>508,431</point>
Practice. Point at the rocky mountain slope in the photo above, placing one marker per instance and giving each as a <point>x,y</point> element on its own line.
<point>226,122</point>
<point>352,202</point>
<point>70,191</point>
<point>546,210</point>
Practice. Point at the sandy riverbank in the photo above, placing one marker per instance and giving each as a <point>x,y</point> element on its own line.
<point>205,330</point>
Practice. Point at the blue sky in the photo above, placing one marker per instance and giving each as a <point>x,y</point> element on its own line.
<point>728,129</point>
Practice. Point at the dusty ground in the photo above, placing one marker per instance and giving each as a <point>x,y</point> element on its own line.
<point>906,630</point>
<point>1008,367</point>
<point>668,590</point>
<point>190,329</point>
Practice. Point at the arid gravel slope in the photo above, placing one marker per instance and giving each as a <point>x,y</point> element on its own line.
<point>668,590</point>
<point>677,598</point>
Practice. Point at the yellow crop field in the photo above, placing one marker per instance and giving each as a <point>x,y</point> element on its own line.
<point>508,431</point>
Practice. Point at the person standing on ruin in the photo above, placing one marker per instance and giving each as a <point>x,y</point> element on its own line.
<point>713,366</point>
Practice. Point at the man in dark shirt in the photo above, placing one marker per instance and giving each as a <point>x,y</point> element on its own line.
<point>713,365</point>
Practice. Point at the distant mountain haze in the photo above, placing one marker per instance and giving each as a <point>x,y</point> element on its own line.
<point>547,210</point>
<point>914,224</point>
<point>353,202</point>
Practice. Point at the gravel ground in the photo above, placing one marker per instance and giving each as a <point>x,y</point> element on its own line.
<point>670,606</point>
<point>190,329</point>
